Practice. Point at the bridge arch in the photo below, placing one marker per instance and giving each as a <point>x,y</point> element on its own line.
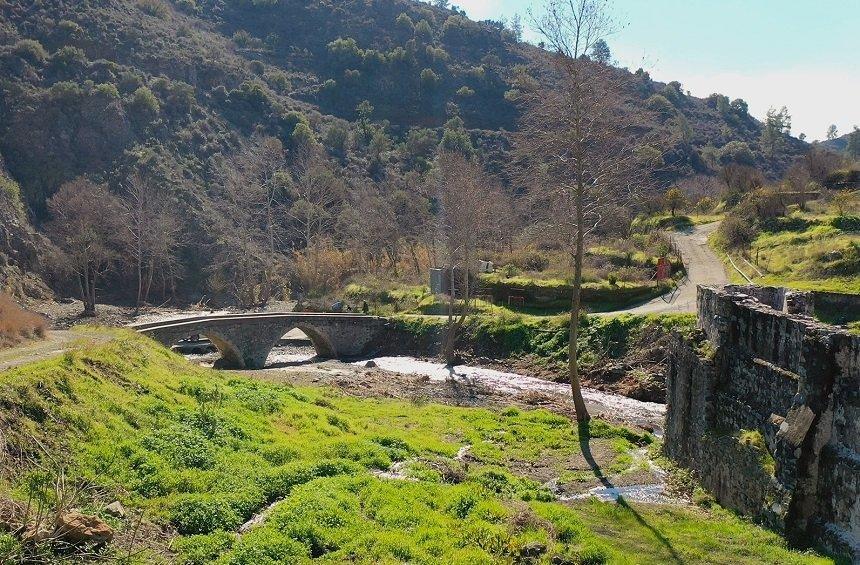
<point>319,339</point>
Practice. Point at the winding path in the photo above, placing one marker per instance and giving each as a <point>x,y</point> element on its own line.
<point>703,268</point>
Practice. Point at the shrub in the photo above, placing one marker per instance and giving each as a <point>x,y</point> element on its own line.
<point>529,260</point>
<point>10,193</point>
<point>278,482</point>
<point>31,51</point>
<point>266,546</point>
<point>429,79</point>
<point>17,324</point>
<point>844,179</point>
<point>423,30</point>
<point>403,21</point>
<point>659,103</point>
<point>108,90</point>
<point>187,6</point>
<point>144,106</point>
<point>70,29</point>
<point>320,268</point>
<point>737,233</point>
<point>846,223</point>
<point>257,67</point>
<point>279,80</point>
<point>69,57</point>
<point>203,514</point>
<point>736,152</point>
<point>154,8</point>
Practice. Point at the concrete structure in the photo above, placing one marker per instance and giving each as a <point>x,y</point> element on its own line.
<point>245,340</point>
<point>764,404</point>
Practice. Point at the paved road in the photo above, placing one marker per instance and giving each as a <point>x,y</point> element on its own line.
<point>703,267</point>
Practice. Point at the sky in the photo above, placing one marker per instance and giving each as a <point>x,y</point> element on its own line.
<point>802,54</point>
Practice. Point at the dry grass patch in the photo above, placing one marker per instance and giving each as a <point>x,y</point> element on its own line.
<point>17,324</point>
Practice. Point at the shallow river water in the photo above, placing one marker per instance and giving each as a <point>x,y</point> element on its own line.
<point>646,414</point>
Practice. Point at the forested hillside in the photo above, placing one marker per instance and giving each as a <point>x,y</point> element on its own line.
<point>181,95</point>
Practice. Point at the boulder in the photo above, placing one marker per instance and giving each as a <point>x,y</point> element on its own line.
<point>76,528</point>
<point>115,509</point>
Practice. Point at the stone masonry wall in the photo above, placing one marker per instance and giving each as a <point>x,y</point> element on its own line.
<point>765,406</point>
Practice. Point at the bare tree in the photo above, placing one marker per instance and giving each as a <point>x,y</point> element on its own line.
<point>316,194</point>
<point>245,219</point>
<point>84,227</point>
<point>578,153</point>
<point>152,234</point>
<point>466,196</point>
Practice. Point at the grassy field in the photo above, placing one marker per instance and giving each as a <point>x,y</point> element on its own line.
<point>803,251</point>
<point>200,452</point>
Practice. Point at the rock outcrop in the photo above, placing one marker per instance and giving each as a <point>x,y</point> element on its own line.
<point>21,247</point>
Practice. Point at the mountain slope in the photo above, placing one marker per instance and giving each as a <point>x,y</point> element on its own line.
<point>170,88</point>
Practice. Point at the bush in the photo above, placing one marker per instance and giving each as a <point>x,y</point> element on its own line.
<point>529,260</point>
<point>845,179</point>
<point>144,106</point>
<point>737,233</point>
<point>69,57</point>
<point>10,195</point>
<point>187,6</point>
<point>204,514</point>
<point>278,482</point>
<point>154,8</point>
<point>263,547</point>
<point>846,223</point>
<point>659,103</point>
<point>736,152</point>
<point>17,324</point>
<point>429,79</point>
<point>31,51</point>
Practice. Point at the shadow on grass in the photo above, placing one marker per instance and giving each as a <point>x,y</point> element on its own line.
<point>584,433</point>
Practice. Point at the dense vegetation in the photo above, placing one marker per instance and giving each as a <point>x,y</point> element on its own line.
<point>203,451</point>
<point>176,96</point>
<point>773,242</point>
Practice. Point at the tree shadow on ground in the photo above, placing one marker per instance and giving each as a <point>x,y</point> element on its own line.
<point>584,433</point>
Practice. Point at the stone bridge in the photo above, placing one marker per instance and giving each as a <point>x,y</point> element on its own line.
<point>245,340</point>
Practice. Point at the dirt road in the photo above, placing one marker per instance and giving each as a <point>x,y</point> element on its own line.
<point>703,267</point>
<point>55,343</point>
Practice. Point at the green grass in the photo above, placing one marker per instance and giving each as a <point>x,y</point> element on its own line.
<point>677,222</point>
<point>201,451</point>
<point>803,251</point>
<point>546,338</point>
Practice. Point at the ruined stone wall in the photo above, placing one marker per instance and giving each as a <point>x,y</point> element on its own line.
<point>765,406</point>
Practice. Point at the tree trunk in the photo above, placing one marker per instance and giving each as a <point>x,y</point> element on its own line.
<point>89,291</point>
<point>450,335</point>
<point>415,258</point>
<point>573,363</point>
